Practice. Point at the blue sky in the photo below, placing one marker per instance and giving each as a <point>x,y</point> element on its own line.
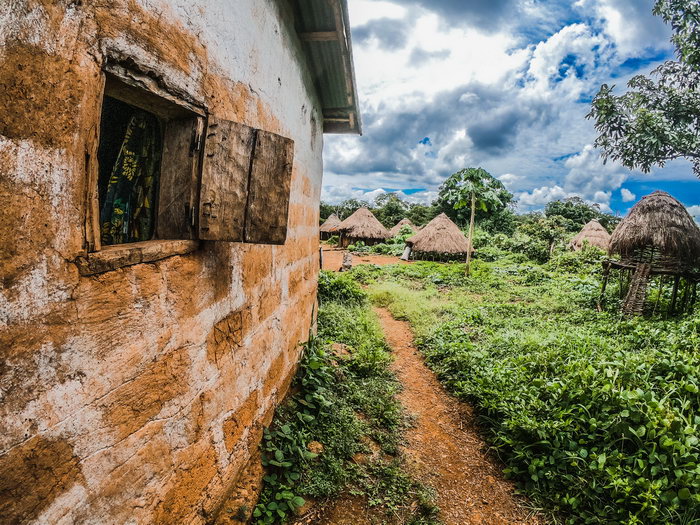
<point>501,84</point>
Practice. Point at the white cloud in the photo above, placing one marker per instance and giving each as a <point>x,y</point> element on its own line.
<point>539,197</point>
<point>587,178</point>
<point>694,211</point>
<point>338,193</point>
<point>512,181</point>
<point>511,99</point>
<point>627,195</point>
<point>592,179</point>
<point>629,24</point>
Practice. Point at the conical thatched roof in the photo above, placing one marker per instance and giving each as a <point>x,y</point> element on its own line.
<point>403,222</point>
<point>330,224</point>
<point>440,235</point>
<point>594,233</point>
<point>363,225</point>
<point>658,230</point>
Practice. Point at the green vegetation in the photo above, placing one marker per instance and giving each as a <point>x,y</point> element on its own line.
<point>596,416</point>
<point>535,235</point>
<point>340,429</point>
<point>657,119</point>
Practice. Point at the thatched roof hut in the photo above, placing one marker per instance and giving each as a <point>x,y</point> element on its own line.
<point>403,222</point>
<point>593,233</point>
<point>659,231</point>
<point>361,226</point>
<point>439,239</point>
<point>657,238</point>
<point>329,226</point>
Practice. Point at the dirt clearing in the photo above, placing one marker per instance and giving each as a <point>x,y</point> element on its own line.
<point>333,259</point>
<point>443,448</point>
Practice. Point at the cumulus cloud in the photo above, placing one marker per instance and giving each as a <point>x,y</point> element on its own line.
<point>587,178</point>
<point>631,26</point>
<point>389,33</point>
<point>502,84</point>
<point>339,193</point>
<point>694,211</point>
<point>627,195</point>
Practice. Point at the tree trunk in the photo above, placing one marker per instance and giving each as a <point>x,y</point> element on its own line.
<point>471,234</point>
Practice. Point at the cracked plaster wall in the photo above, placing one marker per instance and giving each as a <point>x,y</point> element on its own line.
<point>137,395</point>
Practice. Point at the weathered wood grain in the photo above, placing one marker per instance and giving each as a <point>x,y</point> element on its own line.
<point>268,194</point>
<point>224,188</point>
<point>178,180</point>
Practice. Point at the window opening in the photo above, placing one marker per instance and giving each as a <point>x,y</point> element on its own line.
<point>129,158</point>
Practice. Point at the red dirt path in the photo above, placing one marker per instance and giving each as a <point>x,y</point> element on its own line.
<point>444,449</point>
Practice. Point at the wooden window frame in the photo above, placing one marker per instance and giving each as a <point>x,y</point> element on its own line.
<point>138,91</point>
<point>223,176</point>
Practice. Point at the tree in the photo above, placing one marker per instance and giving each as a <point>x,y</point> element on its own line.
<point>390,209</point>
<point>658,119</point>
<point>326,210</point>
<point>475,188</point>
<point>421,214</point>
<point>551,229</point>
<point>578,212</point>
<point>448,197</point>
<point>350,206</point>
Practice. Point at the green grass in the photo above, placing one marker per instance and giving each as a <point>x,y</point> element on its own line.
<point>594,415</point>
<point>344,397</point>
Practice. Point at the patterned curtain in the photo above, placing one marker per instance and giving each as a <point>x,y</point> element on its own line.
<point>128,212</point>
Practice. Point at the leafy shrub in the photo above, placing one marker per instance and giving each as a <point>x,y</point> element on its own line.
<point>359,247</point>
<point>597,417</point>
<point>339,287</point>
<point>333,240</point>
<point>585,260</point>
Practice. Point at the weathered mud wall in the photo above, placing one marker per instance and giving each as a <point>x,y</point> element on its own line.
<point>136,396</point>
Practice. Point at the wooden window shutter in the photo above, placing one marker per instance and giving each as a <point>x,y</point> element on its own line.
<point>178,191</point>
<point>224,185</point>
<point>269,188</point>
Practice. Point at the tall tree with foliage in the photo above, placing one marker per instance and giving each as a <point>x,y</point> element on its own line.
<point>578,212</point>
<point>390,209</point>
<point>448,198</point>
<point>326,210</point>
<point>658,119</point>
<point>350,206</point>
<point>475,188</point>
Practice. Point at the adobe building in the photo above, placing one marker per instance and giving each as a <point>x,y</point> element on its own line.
<point>160,172</point>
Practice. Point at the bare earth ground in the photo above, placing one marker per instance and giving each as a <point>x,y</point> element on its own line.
<point>444,449</point>
<point>333,259</point>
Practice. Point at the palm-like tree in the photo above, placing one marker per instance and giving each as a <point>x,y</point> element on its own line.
<point>474,187</point>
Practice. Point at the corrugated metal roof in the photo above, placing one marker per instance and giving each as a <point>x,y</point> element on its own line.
<point>324,30</point>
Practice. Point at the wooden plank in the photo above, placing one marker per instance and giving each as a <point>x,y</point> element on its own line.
<point>119,256</point>
<point>224,185</point>
<point>268,196</point>
<point>178,179</point>
<point>92,173</point>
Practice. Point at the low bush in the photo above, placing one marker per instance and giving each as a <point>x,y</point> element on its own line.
<point>340,288</point>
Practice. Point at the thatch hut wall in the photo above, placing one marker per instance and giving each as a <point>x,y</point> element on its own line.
<point>440,239</point>
<point>329,226</point>
<point>594,233</point>
<point>657,238</point>
<point>361,226</point>
<point>658,231</point>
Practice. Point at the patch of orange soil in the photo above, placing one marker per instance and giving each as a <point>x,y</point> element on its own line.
<point>333,259</point>
<point>444,449</point>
